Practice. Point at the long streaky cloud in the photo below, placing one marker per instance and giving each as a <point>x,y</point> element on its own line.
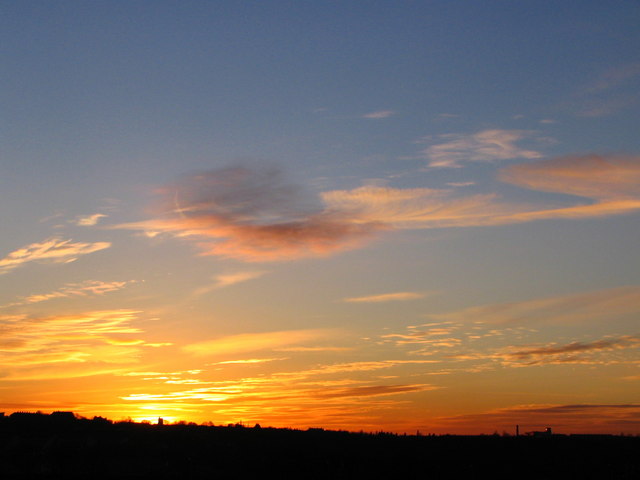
<point>566,309</point>
<point>52,249</point>
<point>248,361</point>
<point>252,342</point>
<point>386,297</point>
<point>79,342</point>
<point>539,354</point>
<point>379,114</point>
<point>89,287</point>
<point>601,177</point>
<point>228,279</point>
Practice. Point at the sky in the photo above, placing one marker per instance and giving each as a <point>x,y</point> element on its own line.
<point>386,215</point>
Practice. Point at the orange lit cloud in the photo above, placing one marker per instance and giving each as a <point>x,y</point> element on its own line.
<point>76,343</point>
<point>247,361</point>
<point>416,208</point>
<point>386,297</point>
<point>251,342</point>
<point>322,396</point>
<point>89,220</point>
<point>605,178</point>
<point>52,249</point>
<point>252,216</point>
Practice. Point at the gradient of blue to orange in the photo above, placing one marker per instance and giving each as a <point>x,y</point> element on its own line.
<point>379,215</point>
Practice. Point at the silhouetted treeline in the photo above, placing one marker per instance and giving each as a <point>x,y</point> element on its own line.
<point>62,445</point>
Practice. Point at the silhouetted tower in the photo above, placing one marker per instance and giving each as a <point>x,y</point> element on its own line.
<point>160,421</point>
<point>517,430</point>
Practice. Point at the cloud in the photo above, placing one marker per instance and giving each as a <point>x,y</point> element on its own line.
<point>460,184</point>
<point>415,208</point>
<point>613,78</point>
<point>372,391</point>
<point>610,92</point>
<point>606,178</point>
<point>620,342</point>
<point>421,335</point>
<point>89,287</point>
<point>606,351</point>
<point>323,396</point>
<point>79,342</point>
<point>484,146</point>
<point>576,308</point>
<point>52,249</point>
<point>386,297</point>
<point>89,220</point>
<point>248,361</point>
<point>379,114</point>
<point>568,353</point>
<point>314,349</point>
<point>253,216</point>
<point>250,342</point>
<point>228,279</point>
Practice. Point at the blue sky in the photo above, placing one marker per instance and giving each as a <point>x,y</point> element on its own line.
<point>313,184</point>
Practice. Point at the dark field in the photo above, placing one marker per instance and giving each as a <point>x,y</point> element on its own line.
<point>50,446</point>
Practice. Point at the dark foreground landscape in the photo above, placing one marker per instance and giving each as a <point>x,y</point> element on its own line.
<point>61,445</point>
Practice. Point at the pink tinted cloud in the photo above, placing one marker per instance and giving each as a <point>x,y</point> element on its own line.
<point>484,146</point>
<point>602,177</point>
<point>252,215</point>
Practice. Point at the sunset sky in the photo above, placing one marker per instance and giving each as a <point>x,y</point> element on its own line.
<point>362,215</point>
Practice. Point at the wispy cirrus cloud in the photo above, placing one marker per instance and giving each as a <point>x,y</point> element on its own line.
<point>454,149</point>
<point>79,343</point>
<point>565,309</point>
<point>50,250</point>
<point>379,114</point>
<point>228,279</point>
<point>386,297</point>
<point>89,287</point>
<point>251,342</point>
<point>248,361</point>
<point>321,396</point>
<point>612,78</point>
<point>613,90</point>
<point>89,220</point>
